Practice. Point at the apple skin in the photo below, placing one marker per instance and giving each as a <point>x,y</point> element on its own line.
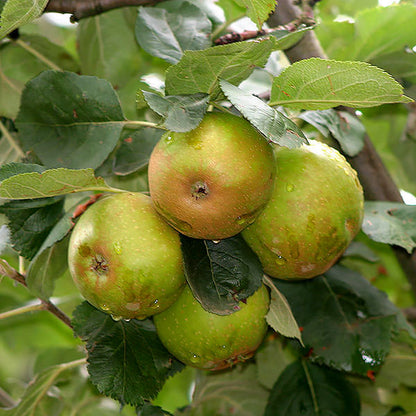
<point>213,181</point>
<point>208,341</point>
<point>124,258</point>
<point>316,209</point>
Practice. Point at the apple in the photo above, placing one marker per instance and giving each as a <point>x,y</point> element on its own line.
<point>124,258</point>
<point>209,341</point>
<point>213,181</point>
<point>316,209</point>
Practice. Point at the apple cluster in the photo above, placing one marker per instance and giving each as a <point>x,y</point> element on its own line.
<point>298,209</point>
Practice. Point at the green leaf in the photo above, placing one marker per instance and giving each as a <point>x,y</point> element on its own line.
<point>235,392</point>
<point>318,84</point>
<point>372,37</point>
<point>11,169</point>
<point>272,123</point>
<point>200,71</point>
<point>167,34</point>
<point>126,360</point>
<point>221,273</point>
<point>285,39</point>
<point>307,389</point>
<point>346,321</point>
<point>98,44</point>
<point>16,13</point>
<point>280,316</point>
<point>344,127</point>
<point>69,120</point>
<point>10,150</point>
<point>135,149</point>
<point>38,389</point>
<point>23,59</point>
<point>273,356</point>
<point>51,182</point>
<point>257,10</point>
<point>30,222</point>
<point>391,223</point>
<point>47,266</point>
<point>180,112</point>
<point>149,410</point>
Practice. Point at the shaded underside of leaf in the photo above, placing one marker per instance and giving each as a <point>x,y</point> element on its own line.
<point>270,122</point>
<point>391,223</point>
<point>222,273</point>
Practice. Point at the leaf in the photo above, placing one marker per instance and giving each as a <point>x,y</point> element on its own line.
<point>51,182</point>
<point>11,169</point>
<point>270,122</point>
<point>37,390</point>
<point>23,59</point>
<point>150,410</point>
<point>69,120</point>
<point>344,127</point>
<point>135,149</point>
<point>274,355</point>
<point>361,250</point>
<point>221,273</point>
<point>167,34</point>
<point>200,71</point>
<point>346,322</point>
<point>180,112</point>
<point>391,223</point>
<point>16,13</point>
<point>307,389</point>
<point>372,38</point>
<point>257,10</point>
<point>10,150</point>
<point>234,392</point>
<point>126,360</point>
<point>47,266</point>
<point>280,316</point>
<point>318,84</point>
<point>285,39</point>
<point>98,45</point>
<point>30,222</point>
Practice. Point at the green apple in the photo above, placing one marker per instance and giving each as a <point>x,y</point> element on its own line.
<point>209,341</point>
<point>316,209</point>
<point>124,258</point>
<point>213,181</point>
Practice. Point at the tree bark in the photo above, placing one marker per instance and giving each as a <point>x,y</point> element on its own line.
<point>374,177</point>
<point>87,8</point>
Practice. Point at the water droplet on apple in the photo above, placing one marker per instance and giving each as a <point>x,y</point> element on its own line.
<point>280,261</point>
<point>194,358</point>
<point>290,187</point>
<point>104,307</point>
<point>154,304</point>
<point>216,241</point>
<point>117,247</point>
<point>127,320</point>
<point>116,317</point>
